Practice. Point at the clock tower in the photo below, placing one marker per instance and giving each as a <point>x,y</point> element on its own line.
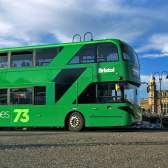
<point>152,95</point>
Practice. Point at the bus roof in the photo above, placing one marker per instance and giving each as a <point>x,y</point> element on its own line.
<point>117,41</point>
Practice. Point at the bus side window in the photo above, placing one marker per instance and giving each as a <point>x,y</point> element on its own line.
<point>3,96</point>
<point>88,96</point>
<point>87,54</point>
<point>21,96</point>
<point>107,52</point>
<point>45,55</point>
<point>22,59</point>
<point>39,95</point>
<point>3,60</point>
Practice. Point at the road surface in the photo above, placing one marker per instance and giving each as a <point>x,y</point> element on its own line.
<point>98,148</point>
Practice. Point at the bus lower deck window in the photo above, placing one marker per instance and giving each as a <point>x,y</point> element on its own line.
<point>3,96</point>
<point>3,60</point>
<point>39,95</point>
<point>21,96</point>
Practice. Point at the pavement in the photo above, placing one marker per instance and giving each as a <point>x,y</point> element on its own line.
<point>103,148</point>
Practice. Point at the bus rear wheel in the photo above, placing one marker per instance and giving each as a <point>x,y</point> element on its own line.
<point>75,122</point>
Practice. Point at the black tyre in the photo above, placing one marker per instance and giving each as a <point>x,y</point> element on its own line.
<point>75,122</point>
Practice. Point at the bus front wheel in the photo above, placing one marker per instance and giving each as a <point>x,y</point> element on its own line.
<point>75,122</point>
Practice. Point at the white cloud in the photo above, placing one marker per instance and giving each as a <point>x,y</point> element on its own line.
<point>155,55</point>
<point>146,78</point>
<point>5,28</point>
<point>25,21</point>
<point>157,42</point>
<point>160,41</point>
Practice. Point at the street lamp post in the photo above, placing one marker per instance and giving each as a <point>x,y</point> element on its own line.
<point>160,76</point>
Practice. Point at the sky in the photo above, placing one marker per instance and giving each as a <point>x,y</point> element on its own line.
<point>141,23</point>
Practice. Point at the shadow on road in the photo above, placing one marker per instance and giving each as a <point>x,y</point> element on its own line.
<point>95,129</point>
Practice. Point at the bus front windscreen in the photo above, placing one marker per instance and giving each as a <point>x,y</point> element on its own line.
<point>130,93</point>
<point>129,54</point>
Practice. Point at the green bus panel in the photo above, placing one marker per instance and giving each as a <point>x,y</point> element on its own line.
<point>73,80</point>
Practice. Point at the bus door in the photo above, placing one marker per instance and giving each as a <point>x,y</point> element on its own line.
<point>97,100</point>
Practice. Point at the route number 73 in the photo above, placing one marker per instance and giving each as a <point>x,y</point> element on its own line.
<point>22,115</point>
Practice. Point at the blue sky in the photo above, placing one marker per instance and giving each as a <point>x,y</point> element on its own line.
<point>141,23</point>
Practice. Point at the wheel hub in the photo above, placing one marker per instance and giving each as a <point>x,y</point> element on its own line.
<point>74,121</point>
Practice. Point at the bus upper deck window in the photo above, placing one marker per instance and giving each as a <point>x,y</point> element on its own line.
<point>45,55</point>
<point>107,52</point>
<point>22,59</point>
<point>3,60</point>
<point>87,54</point>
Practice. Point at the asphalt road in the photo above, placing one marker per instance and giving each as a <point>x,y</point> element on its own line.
<point>98,148</point>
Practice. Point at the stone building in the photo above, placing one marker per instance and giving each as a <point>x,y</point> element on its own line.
<point>157,102</point>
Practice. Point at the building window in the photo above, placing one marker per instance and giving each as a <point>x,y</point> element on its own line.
<point>3,96</point>
<point>165,108</point>
<point>107,52</point>
<point>45,55</point>
<point>3,60</point>
<point>21,96</point>
<point>39,95</point>
<point>22,59</point>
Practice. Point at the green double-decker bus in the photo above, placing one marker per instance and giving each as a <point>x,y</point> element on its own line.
<point>72,85</point>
